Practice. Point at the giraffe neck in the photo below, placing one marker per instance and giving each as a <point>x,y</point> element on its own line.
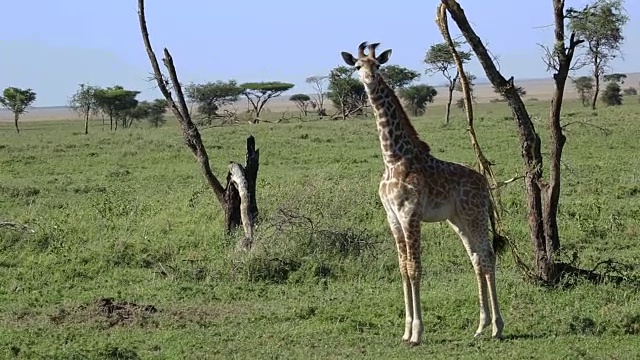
<point>398,137</point>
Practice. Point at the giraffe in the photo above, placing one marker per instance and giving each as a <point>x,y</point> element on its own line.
<point>417,187</point>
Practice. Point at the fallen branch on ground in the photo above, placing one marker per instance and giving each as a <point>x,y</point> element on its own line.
<point>16,226</point>
<point>603,129</point>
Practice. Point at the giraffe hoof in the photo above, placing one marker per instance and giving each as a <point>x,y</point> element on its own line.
<point>413,343</point>
<point>498,337</point>
<point>477,335</point>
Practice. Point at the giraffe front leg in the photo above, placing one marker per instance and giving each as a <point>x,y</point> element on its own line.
<point>408,301</point>
<point>398,235</point>
<point>406,284</point>
<point>414,270</point>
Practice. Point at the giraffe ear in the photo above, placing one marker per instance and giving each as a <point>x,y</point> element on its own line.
<point>384,57</point>
<point>348,58</point>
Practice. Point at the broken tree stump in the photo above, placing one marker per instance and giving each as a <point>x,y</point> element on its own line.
<point>240,194</point>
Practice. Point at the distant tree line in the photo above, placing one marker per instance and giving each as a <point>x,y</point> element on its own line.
<point>117,104</point>
<point>599,25</point>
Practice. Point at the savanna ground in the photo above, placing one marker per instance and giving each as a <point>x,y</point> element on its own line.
<point>128,259</point>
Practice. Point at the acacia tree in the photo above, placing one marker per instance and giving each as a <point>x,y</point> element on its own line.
<point>85,104</point>
<point>346,92</point>
<point>398,77</point>
<point>117,102</point>
<point>211,96</point>
<point>17,101</point>
<point>612,94</point>
<point>157,109</point>
<point>152,111</point>
<point>600,25</point>
<point>417,97</point>
<point>584,88</point>
<point>615,77</point>
<point>259,93</point>
<point>302,101</point>
<point>542,197</point>
<point>439,59</point>
<point>318,83</point>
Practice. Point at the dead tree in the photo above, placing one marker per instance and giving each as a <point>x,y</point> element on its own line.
<point>238,198</point>
<point>542,197</point>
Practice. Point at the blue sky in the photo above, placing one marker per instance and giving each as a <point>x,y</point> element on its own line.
<point>52,46</point>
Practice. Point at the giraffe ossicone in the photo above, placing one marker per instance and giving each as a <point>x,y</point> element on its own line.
<point>417,187</point>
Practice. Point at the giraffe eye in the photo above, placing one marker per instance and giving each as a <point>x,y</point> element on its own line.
<point>358,67</point>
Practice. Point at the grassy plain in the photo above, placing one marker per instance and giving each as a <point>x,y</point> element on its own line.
<point>126,215</point>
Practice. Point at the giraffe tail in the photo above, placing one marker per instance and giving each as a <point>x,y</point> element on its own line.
<point>499,241</point>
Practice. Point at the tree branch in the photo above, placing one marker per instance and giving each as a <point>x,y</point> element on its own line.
<point>16,226</point>
<point>189,130</point>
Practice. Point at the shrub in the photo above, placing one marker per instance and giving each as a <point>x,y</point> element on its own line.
<point>612,95</point>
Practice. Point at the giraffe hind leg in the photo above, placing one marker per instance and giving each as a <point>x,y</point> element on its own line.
<point>475,252</point>
<point>490,275</point>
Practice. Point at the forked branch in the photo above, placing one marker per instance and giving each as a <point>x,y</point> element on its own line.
<point>189,130</point>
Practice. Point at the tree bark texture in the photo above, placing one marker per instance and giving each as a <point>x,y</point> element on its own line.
<point>16,116</point>
<point>235,190</point>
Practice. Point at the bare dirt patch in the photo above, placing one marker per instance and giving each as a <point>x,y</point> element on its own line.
<point>106,312</point>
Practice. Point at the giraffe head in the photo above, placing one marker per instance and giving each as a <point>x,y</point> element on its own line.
<point>367,65</point>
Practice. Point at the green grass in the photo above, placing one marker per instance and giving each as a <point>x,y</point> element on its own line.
<point>127,215</point>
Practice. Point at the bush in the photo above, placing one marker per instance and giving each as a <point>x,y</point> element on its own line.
<point>295,248</point>
<point>612,95</point>
<point>630,91</point>
<point>416,98</point>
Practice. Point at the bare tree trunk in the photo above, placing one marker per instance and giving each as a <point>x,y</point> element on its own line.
<point>86,124</point>
<point>564,56</point>
<point>449,100</point>
<point>233,195</point>
<point>240,191</point>
<point>16,116</point>
<point>596,75</point>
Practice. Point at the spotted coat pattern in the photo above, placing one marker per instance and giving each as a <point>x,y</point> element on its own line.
<point>417,187</point>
